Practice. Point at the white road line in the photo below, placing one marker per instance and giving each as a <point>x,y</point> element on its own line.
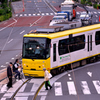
<point>97,86</point>
<point>43,98</point>
<point>58,89</point>
<point>47,13</point>
<point>95,12</point>
<point>36,21</point>
<point>4,88</point>
<point>38,14</point>
<point>25,14</point>
<point>16,15</point>
<point>22,32</point>
<point>21,15</point>
<point>71,88</point>
<point>70,78</point>
<point>77,12</point>
<point>21,98</point>
<point>3,66</point>
<point>51,13</point>
<point>96,15</point>
<point>34,14</point>
<point>10,40</point>
<point>22,88</point>
<point>29,14</point>
<point>42,13</point>
<point>49,6</point>
<point>9,24</point>
<point>85,88</point>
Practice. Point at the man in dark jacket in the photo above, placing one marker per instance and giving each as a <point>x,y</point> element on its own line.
<point>9,74</point>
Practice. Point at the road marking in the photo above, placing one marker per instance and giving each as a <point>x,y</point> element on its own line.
<point>25,14</point>
<point>7,62</point>
<point>21,15</point>
<point>10,40</point>
<point>77,12</point>
<point>43,98</point>
<point>70,78</point>
<point>21,98</point>
<point>89,73</point>
<point>29,14</point>
<point>68,74</point>
<point>85,88</point>
<point>95,12</point>
<point>58,89</point>
<point>96,15</point>
<point>36,21</point>
<point>3,89</point>
<point>42,13</point>
<point>49,6</point>
<point>3,66</point>
<point>16,15</point>
<point>47,13</point>
<point>9,24</point>
<point>38,14</point>
<point>12,58</point>
<point>71,88</point>
<point>22,88</point>
<point>51,13</point>
<point>22,32</point>
<point>34,14</point>
<point>97,86</point>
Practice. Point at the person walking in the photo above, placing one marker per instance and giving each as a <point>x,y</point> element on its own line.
<point>9,74</point>
<point>15,69</point>
<point>46,79</point>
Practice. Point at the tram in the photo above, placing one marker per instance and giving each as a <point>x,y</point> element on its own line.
<point>59,50</point>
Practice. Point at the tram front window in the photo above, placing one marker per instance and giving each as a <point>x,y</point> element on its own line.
<point>36,48</point>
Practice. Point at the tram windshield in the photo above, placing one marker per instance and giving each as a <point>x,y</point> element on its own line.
<point>36,48</point>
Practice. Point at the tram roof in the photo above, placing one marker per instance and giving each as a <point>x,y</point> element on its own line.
<point>64,32</point>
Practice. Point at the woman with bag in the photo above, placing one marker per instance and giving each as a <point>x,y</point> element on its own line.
<point>46,79</point>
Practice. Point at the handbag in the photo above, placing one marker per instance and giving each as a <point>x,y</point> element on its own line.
<point>49,75</point>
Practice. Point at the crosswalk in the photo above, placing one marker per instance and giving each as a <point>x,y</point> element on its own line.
<point>71,88</point>
<point>46,14</point>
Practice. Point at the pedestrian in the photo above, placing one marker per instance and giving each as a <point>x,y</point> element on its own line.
<point>46,79</point>
<point>15,69</point>
<point>9,74</point>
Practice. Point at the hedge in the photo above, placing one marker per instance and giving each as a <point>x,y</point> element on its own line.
<point>5,17</point>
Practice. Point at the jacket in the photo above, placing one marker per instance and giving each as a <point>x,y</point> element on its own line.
<point>46,76</point>
<point>9,71</point>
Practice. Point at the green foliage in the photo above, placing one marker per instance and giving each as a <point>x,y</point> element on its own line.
<point>5,10</point>
<point>5,17</point>
<point>95,6</point>
<point>83,1</point>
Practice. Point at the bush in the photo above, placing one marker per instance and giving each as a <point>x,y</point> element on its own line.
<point>5,17</point>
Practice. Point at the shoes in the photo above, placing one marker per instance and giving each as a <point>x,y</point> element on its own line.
<point>50,87</point>
<point>20,78</point>
<point>9,86</point>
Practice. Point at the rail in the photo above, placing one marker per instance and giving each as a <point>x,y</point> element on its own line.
<point>36,93</point>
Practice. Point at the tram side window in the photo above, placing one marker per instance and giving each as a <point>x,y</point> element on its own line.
<point>97,38</point>
<point>71,44</point>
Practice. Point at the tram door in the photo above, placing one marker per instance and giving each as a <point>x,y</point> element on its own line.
<point>55,54</point>
<point>89,44</point>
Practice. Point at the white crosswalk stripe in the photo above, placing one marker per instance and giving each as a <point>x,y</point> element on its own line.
<point>85,87</point>
<point>97,86</point>
<point>71,88</point>
<point>58,89</point>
